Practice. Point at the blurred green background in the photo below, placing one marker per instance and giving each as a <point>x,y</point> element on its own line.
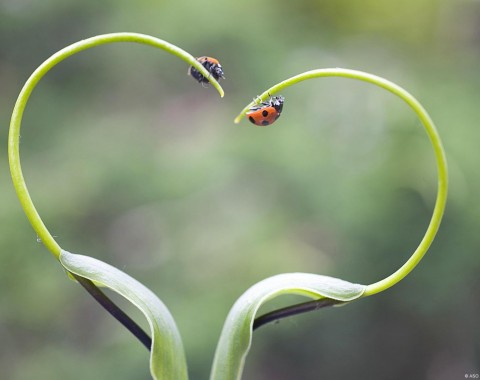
<point>132,162</point>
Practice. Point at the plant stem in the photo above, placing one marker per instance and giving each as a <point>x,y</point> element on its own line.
<point>433,135</point>
<point>14,152</point>
<point>15,124</point>
<point>115,311</point>
<point>290,311</point>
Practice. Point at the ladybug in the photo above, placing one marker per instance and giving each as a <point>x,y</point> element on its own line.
<point>266,113</point>
<point>213,67</point>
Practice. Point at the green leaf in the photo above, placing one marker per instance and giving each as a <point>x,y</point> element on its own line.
<point>167,358</point>
<point>236,337</point>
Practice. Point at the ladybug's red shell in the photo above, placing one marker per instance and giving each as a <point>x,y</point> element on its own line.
<point>263,116</point>
<point>266,113</point>
<point>209,59</point>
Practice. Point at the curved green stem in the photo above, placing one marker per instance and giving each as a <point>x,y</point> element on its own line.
<point>14,135</point>
<point>432,133</point>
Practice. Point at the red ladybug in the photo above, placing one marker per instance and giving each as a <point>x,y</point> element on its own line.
<point>213,67</point>
<point>266,113</point>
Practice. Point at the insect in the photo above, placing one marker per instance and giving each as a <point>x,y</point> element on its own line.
<point>266,113</point>
<point>213,67</point>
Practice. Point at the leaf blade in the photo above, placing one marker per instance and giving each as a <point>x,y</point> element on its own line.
<point>167,357</point>
<point>236,337</point>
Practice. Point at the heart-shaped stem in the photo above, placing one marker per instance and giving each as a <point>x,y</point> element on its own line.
<point>432,134</point>
<point>14,151</point>
<point>15,123</point>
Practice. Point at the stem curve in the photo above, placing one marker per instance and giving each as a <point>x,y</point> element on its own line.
<point>16,120</point>
<point>433,135</point>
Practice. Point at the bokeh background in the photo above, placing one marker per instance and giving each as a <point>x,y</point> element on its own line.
<point>131,161</point>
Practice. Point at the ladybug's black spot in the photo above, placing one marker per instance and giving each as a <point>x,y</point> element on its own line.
<point>265,113</point>
<point>251,119</point>
<point>265,122</point>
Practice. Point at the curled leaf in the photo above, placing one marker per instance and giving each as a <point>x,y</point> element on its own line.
<point>236,337</point>
<point>167,357</point>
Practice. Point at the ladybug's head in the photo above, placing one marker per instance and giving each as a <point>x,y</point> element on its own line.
<point>217,71</point>
<point>213,66</point>
<point>277,103</point>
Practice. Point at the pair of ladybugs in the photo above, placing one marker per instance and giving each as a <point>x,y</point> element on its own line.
<point>262,114</point>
